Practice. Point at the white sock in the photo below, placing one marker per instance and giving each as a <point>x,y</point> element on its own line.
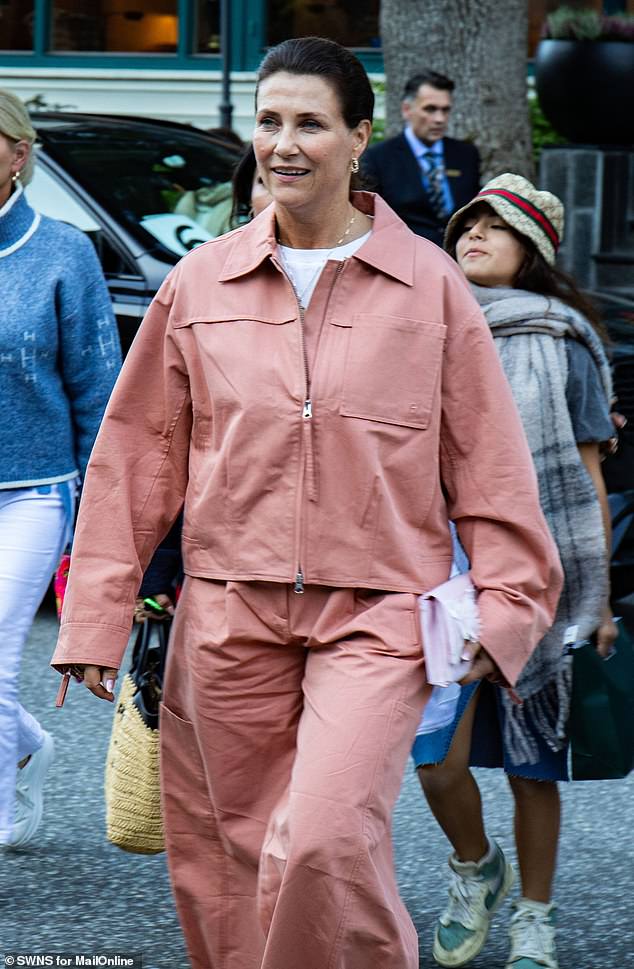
<point>489,855</point>
<point>542,908</point>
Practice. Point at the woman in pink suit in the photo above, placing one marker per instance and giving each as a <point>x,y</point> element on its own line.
<point>320,391</point>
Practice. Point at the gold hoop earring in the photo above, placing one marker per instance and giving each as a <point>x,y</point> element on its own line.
<point>354,166</point>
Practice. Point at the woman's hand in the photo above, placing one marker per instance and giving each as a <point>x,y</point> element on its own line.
<point>483,667</point>
<point>98,679</point>
<point>143,611</point>
<point>606,634</point>
<point>611,446</point>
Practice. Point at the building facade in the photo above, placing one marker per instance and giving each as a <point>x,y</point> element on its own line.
<point>163,58</point>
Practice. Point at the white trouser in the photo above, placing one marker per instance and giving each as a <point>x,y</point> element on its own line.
<point>34,529</point>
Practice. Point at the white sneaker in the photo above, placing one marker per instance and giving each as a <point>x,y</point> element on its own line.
<point>28,794</point>
<point>533,936</point>
<point>476,891</point>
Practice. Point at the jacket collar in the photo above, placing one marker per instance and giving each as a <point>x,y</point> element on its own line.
<point>388,249</point>
<point>18,222</point>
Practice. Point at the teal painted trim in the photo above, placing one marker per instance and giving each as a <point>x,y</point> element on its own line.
<point>246,56</point>
<point>254,13</point>
<point>261,23</point>
<point>238,29</point>
<point>247,33</point>
<point>122,62</point>
<point>41,27</point>
<point>184,59</point>
<point>372,60</point>
<point>255,33</point>
<point>185,12</point>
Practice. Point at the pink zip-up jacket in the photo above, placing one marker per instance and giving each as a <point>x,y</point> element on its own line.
<point>339,463</point>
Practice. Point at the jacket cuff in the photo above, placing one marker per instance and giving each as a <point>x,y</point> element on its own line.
<point>97,644</point>
<point>509,641</point>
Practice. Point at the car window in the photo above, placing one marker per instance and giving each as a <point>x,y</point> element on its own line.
<point>169,187</point>
<point>51,198</point>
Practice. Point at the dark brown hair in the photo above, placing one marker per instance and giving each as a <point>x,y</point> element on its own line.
<point>334,64</point>
<point>242,185</point>
<point>535,275</point>
<point>432,78</point>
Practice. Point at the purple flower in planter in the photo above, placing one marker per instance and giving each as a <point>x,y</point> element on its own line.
<point>567,23</point>
<point>617,27</point>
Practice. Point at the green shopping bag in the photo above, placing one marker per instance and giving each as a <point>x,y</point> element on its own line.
<point>601,725</point>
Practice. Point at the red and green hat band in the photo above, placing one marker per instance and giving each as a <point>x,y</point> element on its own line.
<point>527,208</point>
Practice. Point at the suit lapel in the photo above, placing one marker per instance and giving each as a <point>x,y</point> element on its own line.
<point>454,169</point>
<point>409,169</point>
<point>411,173</point>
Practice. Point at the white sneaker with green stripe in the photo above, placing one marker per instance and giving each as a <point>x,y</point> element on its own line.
<point>476,892</point>
<point>532,936</point>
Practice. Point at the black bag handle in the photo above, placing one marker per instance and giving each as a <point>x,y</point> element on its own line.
<point>148,668</point>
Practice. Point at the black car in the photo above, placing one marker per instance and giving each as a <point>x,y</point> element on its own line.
<point>146,191</point>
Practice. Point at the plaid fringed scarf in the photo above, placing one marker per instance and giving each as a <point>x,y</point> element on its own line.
<point>529,333</point>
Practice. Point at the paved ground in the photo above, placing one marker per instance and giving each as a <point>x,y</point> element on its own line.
<point>73,891</point>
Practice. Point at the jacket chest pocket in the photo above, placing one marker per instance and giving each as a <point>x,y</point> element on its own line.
<point>392,369</point>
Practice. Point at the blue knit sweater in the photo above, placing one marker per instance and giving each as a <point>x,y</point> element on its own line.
<point>59,349</point>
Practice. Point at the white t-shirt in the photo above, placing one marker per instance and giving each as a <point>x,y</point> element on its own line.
<point>304,266</point>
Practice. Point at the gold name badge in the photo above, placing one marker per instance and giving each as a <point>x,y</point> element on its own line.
<point>453,172</point>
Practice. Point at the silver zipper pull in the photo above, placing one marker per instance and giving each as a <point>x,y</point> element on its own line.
<point>308,409</point>
<point>299,583</point>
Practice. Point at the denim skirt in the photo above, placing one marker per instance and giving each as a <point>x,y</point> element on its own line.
<point>487,745</point>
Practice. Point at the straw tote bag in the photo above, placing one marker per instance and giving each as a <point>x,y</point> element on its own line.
<point>132,789</point>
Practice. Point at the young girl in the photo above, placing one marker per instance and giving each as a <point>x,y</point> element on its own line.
<point>505,241</point>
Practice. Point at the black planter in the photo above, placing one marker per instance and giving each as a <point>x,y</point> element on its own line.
<point>586,89</point>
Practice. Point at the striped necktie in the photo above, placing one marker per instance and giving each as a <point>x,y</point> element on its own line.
<point>435,182</point>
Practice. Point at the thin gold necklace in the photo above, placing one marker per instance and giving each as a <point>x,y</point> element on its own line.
<point>347,232</point>
<point>308,286</point>
<point>339,241</point>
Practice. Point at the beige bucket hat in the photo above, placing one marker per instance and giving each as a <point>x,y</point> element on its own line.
<point>537,215</point>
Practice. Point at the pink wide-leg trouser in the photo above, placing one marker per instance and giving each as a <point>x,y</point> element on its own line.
<point>285,730</point>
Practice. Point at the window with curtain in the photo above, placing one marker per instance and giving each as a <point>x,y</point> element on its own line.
<point>132,26</point>
<point>350,23</point>
<point>16,25</point>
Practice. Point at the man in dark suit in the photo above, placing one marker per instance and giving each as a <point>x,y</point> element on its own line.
<point>421,174</point>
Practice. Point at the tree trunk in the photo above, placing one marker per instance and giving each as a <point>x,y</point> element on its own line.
<point>482,46</point>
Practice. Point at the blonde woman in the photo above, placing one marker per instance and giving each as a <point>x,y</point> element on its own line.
<point>59,356</point>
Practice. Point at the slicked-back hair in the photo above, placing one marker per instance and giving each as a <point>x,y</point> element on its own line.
<point>333,63</point>
<point>432,78</point>
<point>242,184</point>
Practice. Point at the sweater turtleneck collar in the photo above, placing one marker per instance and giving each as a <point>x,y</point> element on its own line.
<point>18,222</point>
